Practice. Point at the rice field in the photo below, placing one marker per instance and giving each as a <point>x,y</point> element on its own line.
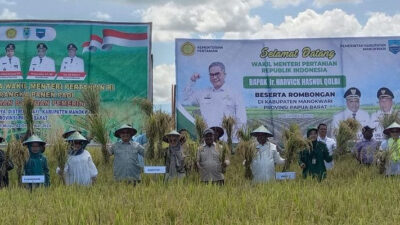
<point>352,194</point>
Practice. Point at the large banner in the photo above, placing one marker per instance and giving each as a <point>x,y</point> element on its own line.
<point>279,82</point>
<point>52,61</point>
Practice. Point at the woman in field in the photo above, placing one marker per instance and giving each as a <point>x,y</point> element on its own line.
<point>312,160</point>
<point>79,168</point>
<point>126,155</point>
<point>37,162</point>
<point>174,156</point>
<point>263,164</point>
<point>393,145</point>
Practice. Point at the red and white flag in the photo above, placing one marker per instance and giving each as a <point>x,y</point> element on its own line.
<point>114,37</point>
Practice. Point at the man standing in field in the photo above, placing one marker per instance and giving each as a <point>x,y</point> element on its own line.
<point>330,142</point>
<point>365,150</point>
<point>218,100</point>
<point>209,160</point>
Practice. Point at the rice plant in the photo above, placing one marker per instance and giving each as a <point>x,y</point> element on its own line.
<point>145,105</point>
<point>388,119</point>
<point>58,146</point>
<point>228,123</point>
<point>151,133</point>
<point>95,122</point>
<point>247,150</point>
<point>27,107</point>
<point>19,156</point>
<point>190,150</point>
<point>163,125</point>
<point>347,132</point>
<point>293,142</point>
<point>201,126</point>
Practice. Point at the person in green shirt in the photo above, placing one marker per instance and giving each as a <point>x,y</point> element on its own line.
<point>312,160</point>
<point>393,145</point>
<point>37,162</point>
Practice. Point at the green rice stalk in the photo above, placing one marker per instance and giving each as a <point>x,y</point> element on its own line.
<point>145,105</point>
<point>228,122</point>
<point>347,132</point>
<point>27,107</point>
<point>19,155</point>
<point>293,142</point>
<point>201,126</point>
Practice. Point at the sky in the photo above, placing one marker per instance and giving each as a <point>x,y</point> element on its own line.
<point>219,19</point>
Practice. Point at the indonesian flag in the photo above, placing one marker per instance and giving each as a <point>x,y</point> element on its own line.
<point>95,43</point>
<point>114,37</point>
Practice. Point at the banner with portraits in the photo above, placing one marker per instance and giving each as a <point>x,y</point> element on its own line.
<point>52,61</point>
<point>282,81</point>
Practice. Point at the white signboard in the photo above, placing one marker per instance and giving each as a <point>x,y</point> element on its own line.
<point>33,179</point>
<point>285,175</point>
<point>154,169</point>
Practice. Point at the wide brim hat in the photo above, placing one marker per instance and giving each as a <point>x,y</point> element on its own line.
<point>32,139</point>
<point>172,133</point>
<point>123,127</point>
<point>69,132</point>
<point>208,131</point>
<point>261,130</point>
<point>218,130</point>
<point>389,128</point>
<point>76,136</point>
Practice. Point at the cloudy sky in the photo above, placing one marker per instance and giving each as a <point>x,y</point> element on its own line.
<point>223,19</point>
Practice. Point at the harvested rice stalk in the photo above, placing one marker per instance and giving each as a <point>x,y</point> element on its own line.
<point>151,133</point>
<point>293,142</point>
<point>19,156</point>
<point>201,126</point>
<point>163,125</point>
<point>228,122</point>
<point>58,146</point>
<point>247,150</point>
<point>145,105</point>
<point>27,107</point>
<point>347,132</point>
<point>190,147</point>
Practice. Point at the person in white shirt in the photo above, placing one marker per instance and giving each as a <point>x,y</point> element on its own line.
<point>218,100</point>
<point>352,96</point>
<point>330,142</point>
<point>72,63</point>
<point>79,168</point>
<point>385,97</point>
<point>41,62</point>
<point>9,62</point>
<point>263,164</point>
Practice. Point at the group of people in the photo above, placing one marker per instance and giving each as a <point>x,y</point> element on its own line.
<point>41,62</point>
<point>211,162</point>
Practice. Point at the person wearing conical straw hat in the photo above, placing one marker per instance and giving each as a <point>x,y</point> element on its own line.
<point>312,160</point>
<point>174,156</point>
<point>37,162</point>
<point>263,164</point>
<point>218,133</point>
<point>79,168</point>
<point>126,155</point>
<point>393,145</point>
<point>209,160</point>
<point>5,165</point>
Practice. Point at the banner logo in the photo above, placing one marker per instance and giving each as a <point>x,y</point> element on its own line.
<point>11,33</point>
<point>26,32</point>
<point>187,48</point>
<point>40,32</point>
<point>394,46</point>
